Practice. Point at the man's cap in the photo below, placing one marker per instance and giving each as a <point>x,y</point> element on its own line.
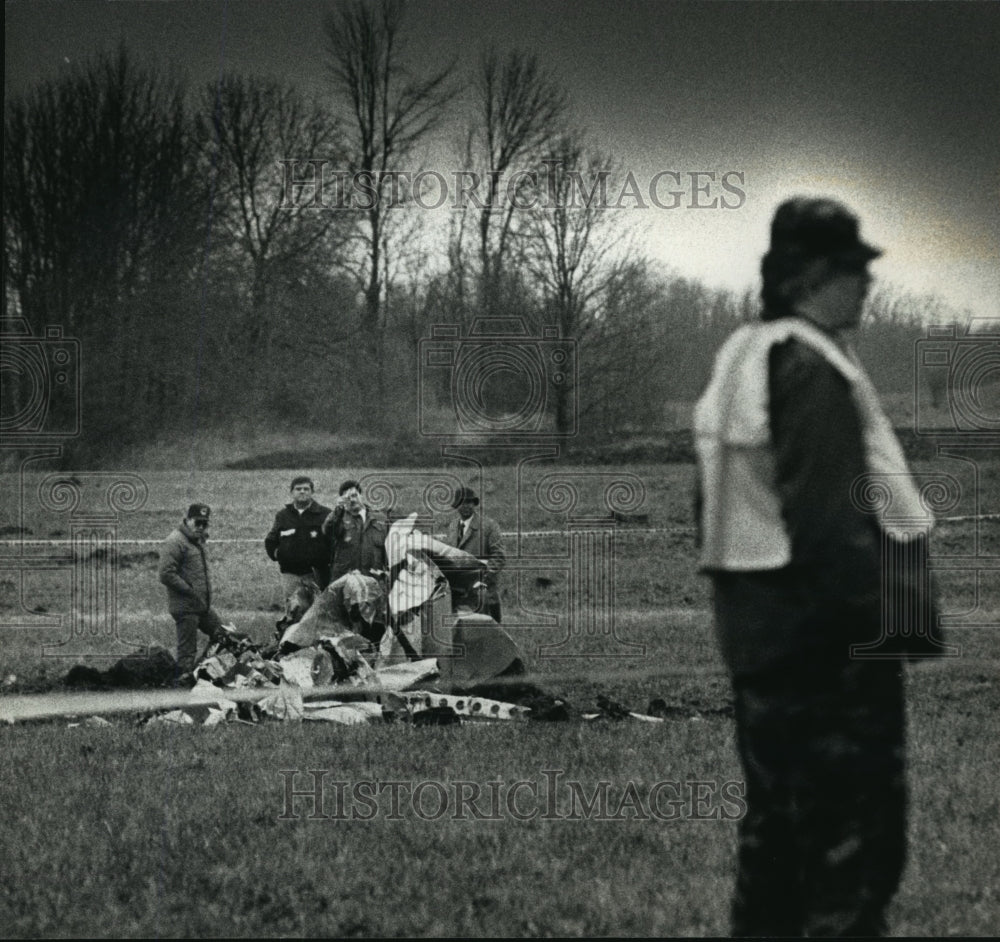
<point>199,512</point>
<point>812,228</point>
<point>462,495</point>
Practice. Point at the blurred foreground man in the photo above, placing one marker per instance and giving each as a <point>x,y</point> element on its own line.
<point>184,571</point>
<point>788,425</point>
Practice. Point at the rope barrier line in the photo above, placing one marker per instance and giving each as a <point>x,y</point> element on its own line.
<point>511,534</point>
<point>249,539</point>
<point>969,517</point>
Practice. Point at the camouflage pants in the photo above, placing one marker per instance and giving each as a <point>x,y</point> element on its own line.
<point>188,626</point>
<point>823,844</point>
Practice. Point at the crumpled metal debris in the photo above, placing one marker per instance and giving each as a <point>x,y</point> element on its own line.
<point>401,676</point>
<point>207,708</point>
<point>92,722</point>
<point>297,667</point>
<point>424,565</point>
<point>412,702</point>
<point>349,605</point>
<point>346,659</point>
<point>347,714</point>
<point>364,593</point>
<point>173,718</point>
<point>238,666</point>
<point>216,667</point>
<point>608,709</point>
<point>284,704</point>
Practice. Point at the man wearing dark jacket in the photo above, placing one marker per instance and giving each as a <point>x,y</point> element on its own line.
<point>355,533</point>
<point>296,540</point>
<point>184,571</point>
<point>788,432</point>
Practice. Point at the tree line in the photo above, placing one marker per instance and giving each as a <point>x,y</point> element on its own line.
<point>154,222</point>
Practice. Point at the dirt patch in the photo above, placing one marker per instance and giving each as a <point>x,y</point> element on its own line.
<point>146,560</point>
<point>15,531</point>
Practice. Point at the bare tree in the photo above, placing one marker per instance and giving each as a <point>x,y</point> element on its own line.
<point>622,350</point>
<point>256,135</point>
<point>104,221</point>
<point>101,190</point>
<point>575,247</point>
<point>647,351</point>
<point>894,319</point>
<point>521,109</point>
<point>391,112</point>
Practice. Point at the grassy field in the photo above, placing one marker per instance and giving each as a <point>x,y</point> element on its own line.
<point>127,830</point>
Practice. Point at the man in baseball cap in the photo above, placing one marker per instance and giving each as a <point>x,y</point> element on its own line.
<point>184,571</point>
<point>199,513</point>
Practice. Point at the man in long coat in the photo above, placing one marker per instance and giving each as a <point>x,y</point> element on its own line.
<point>480,536</point>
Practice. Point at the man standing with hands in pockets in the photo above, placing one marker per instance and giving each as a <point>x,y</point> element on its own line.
<point>296,542</point>
<point>184,571</point>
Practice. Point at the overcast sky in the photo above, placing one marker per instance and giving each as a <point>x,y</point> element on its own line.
<point>892,107</point>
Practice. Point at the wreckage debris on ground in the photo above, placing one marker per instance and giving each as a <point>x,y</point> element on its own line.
<point>290,683</point>
<point>396,646</point>
<point>383,634</point>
